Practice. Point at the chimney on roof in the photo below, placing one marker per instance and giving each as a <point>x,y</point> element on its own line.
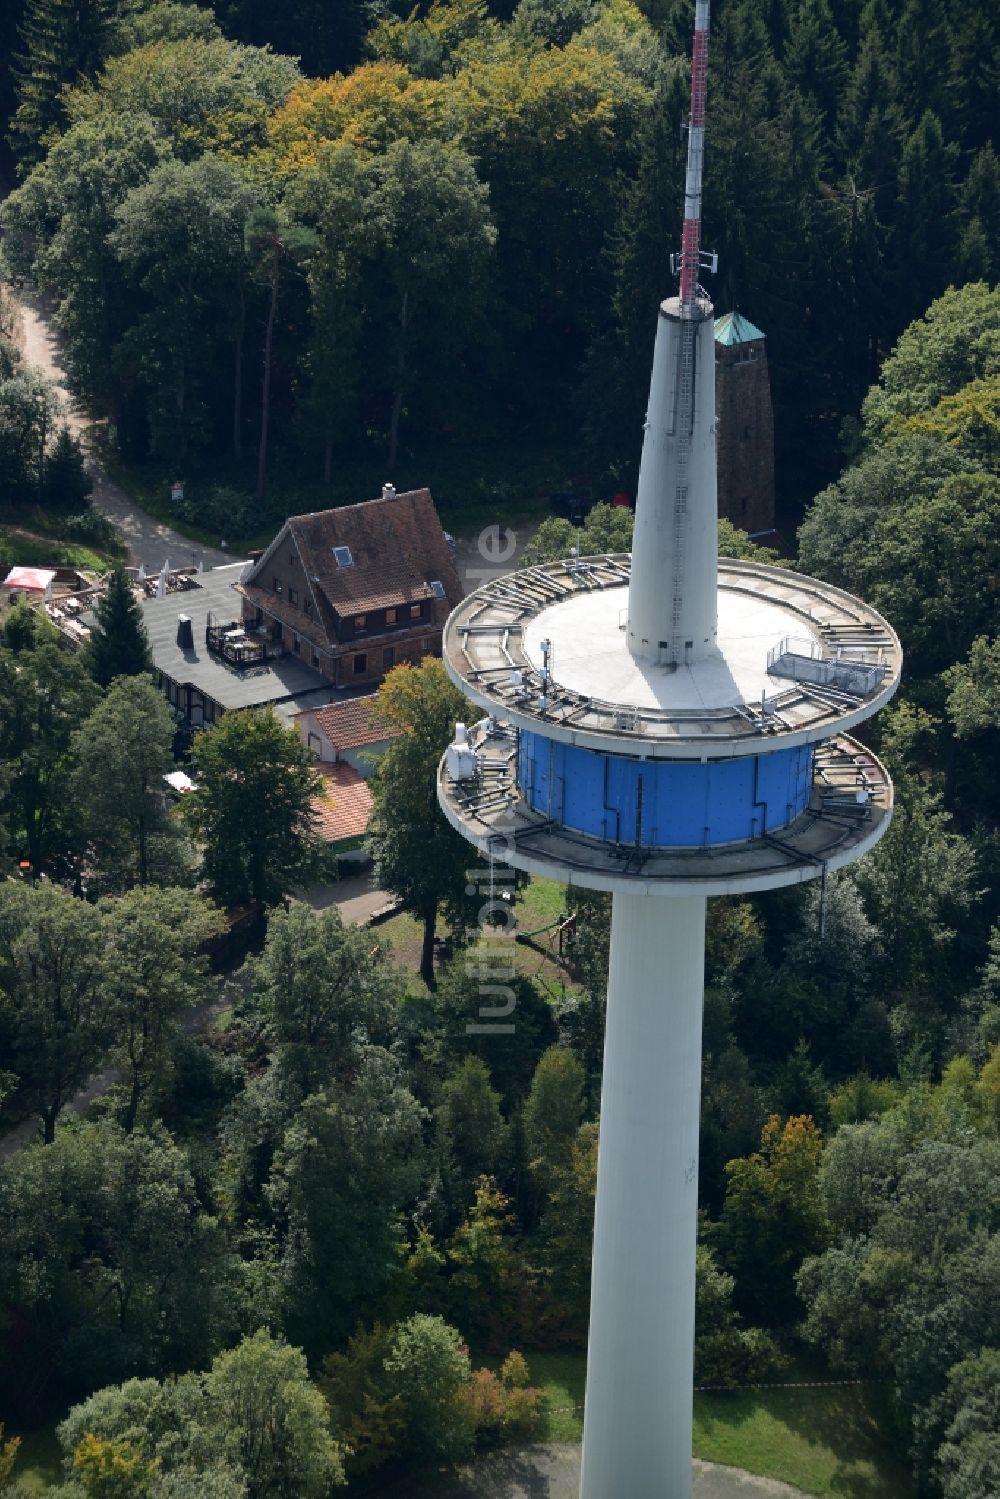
<point>388,491</point>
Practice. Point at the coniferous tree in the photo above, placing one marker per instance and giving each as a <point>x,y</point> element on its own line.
<point>118,644</point>
<point>815,57</point>
<point>979,219</point>
<point>65,481</point>
<point>63,41</point>
<point>923,231</point>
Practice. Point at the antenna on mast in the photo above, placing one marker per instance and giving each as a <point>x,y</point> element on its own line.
<point>689,262</point>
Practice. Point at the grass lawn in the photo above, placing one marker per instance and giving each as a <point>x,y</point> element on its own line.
<point>538,905</point>
<point>39,1461</point>
<point>824,1441</point>
<point>17,550</point>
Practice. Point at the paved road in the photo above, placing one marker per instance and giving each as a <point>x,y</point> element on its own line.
<point>553,1472</point>
<point>149,540</point>
<point>355,896</point>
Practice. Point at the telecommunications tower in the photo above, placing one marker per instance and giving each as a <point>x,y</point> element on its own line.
<point>665,725</point>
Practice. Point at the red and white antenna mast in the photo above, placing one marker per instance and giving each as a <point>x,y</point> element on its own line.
<point>689,260</point>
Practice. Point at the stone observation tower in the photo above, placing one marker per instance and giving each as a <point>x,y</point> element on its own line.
<point>666,725</point>
<point>745,436</point>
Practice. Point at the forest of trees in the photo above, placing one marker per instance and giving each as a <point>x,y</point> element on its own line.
<point>339,1193</point>
<point>337,1208</point>
<point>466,228</point>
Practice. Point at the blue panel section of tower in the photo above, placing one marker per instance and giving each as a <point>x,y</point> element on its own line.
<point>663,803</point>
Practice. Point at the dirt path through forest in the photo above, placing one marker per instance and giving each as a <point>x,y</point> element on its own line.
<point>149,540</point>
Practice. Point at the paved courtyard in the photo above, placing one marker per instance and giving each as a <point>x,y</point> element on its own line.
<point>553,1472</point>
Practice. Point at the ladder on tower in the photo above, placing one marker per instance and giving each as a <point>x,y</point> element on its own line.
<point>683,423</point>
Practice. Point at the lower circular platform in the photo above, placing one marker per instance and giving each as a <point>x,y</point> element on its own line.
<point>848,810</point>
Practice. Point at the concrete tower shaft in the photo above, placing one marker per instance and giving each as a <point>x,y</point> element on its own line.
<point>664,726</point>
<point>672,594</point>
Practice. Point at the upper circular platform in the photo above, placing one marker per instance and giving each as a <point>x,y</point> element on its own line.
<point>797,661</point>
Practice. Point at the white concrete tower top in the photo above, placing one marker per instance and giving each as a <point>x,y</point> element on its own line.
<point>672,596</point>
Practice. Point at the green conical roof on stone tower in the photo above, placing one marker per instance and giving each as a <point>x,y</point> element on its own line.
<point>733,328</point>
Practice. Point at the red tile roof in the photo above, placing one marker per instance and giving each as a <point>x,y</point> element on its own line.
<point>353,723</point>
<point>345,805</point>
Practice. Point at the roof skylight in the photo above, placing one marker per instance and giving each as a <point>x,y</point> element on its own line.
<point>343,556</point>
<point>437,589</point>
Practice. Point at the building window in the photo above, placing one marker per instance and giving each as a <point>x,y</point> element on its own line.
<point>359,621</point>
<point>277,586</point>
<point>414,611</point>
<point>293,597</point>
<point>297,645</point>
<point>360,665</point>
<point>258,617</point>
<point>343,556</point>
<point>388,658</point>
<point>390,616</point>
<point>307,606</point>
<point>316,660</point>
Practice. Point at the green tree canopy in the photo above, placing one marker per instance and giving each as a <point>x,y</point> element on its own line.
<point>252,808</point>
<point>416,853</point>
<point>426,1365</point>
<point>349,1163</point>
<point>253,1425</point>
<point>52,983</point>
<point>909,1285</point>
<point>110,1261</point>
<point>272,1420</point>
<point>968,1460</point>
<point>118,645</point>
<point>66,483</point>
<point>179,238</point>
<point>553,1110</point>
<point>773,1216</point>
<point>151,972</point>
<point>46,695</point>
<point>323,990</point>
<point>122,751</point>
<point>957,340</point>
<point>430,215</point>
<point>63,41</point>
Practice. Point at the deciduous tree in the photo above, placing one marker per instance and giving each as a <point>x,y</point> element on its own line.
<point>773,1216</point>
<point>50,975</point>
<point>252,808</point>
<point>151,972</point>
<point>110,1263</point>
<point>350,1161</point>
<point>179,238</point>
<point>323,990</point>
<point>430,216</point>
<point>416,852</point>
<point>122,752</point>
<point>272,1420</point>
